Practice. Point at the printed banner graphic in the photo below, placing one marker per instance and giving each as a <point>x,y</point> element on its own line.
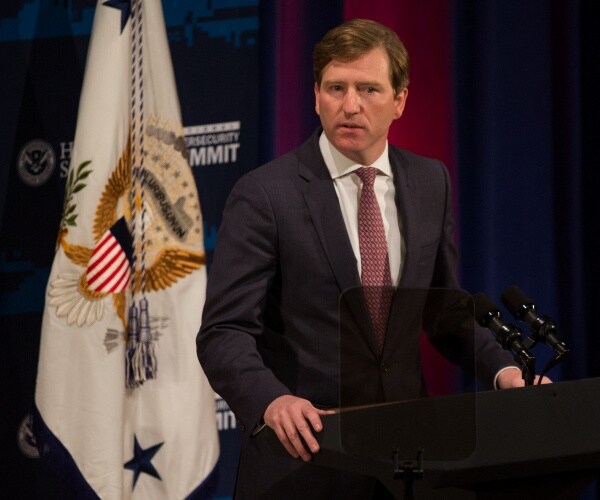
<point>123,404</point>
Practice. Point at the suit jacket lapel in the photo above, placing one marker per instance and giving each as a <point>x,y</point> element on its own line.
<point>408,209</point>
<point>409,216</point>
<point>324,208</point>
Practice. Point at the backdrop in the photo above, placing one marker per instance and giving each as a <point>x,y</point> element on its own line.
<point>503,91</point>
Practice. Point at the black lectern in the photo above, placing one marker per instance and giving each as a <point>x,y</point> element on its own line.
<point>536,442</point>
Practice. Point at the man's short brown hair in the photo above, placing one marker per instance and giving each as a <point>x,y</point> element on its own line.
<point>355,38</point>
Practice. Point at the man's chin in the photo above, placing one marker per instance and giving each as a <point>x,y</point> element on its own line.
<point>352,139</point>
<point>350,150</point>
<point>349,144</point>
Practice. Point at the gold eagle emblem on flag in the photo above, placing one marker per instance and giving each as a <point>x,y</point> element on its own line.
<point>172,226</point>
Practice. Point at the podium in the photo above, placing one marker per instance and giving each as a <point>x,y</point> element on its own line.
<point>535,442</point>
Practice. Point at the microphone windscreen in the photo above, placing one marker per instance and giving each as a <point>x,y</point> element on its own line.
<point>515,301</point>
<point>483,306</point>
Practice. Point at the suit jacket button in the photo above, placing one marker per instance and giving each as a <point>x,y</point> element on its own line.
<point>385,367</point>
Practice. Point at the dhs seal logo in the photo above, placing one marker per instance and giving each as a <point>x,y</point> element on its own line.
<point>36,162</point>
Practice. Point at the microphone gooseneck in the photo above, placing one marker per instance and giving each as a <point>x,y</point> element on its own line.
<point>507,335</point>
<point>543,328</point>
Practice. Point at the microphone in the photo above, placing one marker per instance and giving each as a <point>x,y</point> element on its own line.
<point>508,335</point>
<point>542,327</point>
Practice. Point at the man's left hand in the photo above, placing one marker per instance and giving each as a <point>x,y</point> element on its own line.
<point>512,377</point>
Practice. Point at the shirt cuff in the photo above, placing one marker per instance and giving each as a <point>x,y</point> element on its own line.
<point>503,370</point>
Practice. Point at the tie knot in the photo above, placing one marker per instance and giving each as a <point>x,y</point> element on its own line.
<point>367,175</point>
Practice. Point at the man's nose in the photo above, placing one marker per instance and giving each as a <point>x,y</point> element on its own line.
<point>351,104</point>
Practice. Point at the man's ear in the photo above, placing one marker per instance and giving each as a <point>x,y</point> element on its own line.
<point>317,93</point>
<point>400,102</point>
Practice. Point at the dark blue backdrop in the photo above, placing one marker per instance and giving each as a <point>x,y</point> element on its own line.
<point>527,120</point>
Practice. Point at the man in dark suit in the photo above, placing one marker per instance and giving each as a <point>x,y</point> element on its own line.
<point>290,246</point>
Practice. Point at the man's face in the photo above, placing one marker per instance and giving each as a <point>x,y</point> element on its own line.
<point>356,104</point>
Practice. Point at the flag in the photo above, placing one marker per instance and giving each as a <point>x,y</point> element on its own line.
<point>123,408</point>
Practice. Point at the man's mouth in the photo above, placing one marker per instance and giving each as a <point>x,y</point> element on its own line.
<point>349,125</point>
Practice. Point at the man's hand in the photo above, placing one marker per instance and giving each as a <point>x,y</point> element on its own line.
<point>512,377</point>
<point>293,419</point>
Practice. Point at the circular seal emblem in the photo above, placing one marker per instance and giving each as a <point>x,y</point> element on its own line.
<point>26,439</point>
<point>36,162</point>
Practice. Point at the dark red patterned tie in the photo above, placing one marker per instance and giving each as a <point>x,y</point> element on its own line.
<point>375,264</point>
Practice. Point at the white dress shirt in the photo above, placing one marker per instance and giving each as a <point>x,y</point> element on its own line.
<point>348,185</point>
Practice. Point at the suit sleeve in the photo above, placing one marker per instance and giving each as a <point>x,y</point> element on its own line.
<point>244,266</point>
<point>468,345</point>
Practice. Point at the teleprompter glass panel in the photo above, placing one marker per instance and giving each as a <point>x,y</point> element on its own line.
<point>386,410</point>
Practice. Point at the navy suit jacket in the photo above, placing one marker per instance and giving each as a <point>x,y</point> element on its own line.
<point>283,260</point>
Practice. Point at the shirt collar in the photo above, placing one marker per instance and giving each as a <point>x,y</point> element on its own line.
<point>340,166</point>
